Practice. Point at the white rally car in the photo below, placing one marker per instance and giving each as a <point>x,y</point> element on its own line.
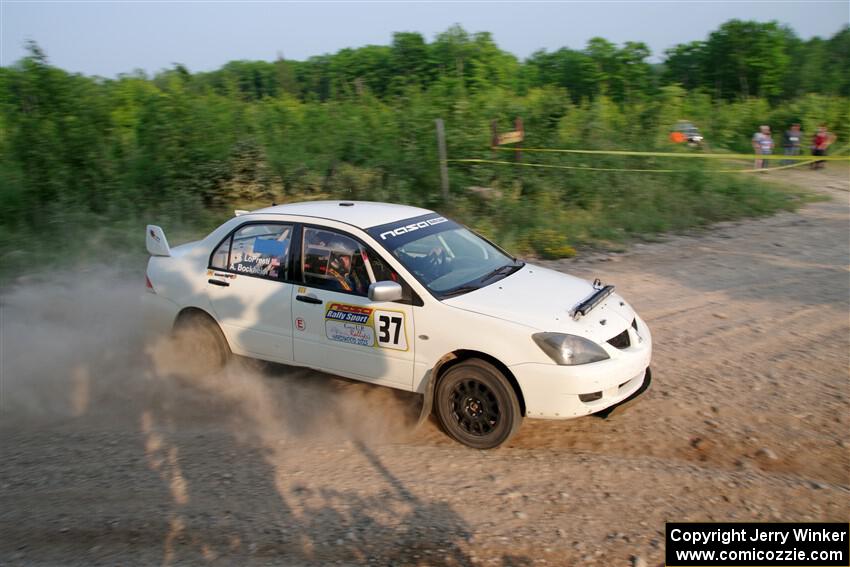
<point>404,297</point>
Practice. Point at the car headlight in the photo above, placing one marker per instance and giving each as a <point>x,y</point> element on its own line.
<point>569,350</point>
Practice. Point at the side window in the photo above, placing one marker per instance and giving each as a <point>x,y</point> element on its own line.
<point>257,250</point>
<point>383,272</point>
<point>219,257</point>
<point>334,261</point>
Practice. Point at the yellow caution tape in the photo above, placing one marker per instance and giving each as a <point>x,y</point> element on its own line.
<point>589,168</point>
<point>677,155</point>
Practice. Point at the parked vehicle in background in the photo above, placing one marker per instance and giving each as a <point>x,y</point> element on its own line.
<point>685,132</point>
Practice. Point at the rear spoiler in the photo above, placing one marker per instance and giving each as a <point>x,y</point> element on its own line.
<point>156,242</point>
<point>599,295</point>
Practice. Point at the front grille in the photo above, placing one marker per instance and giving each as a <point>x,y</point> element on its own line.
<point>621,341</point>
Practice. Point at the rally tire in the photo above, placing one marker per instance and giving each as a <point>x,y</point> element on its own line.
<point>476,405</point>
<point>200,338</point>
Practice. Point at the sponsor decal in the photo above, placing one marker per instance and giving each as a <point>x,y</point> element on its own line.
<point>351,333</point>
<point>412,227</point>
<point>348,313</point>
<point>300,324</point>
<point>363,326</point>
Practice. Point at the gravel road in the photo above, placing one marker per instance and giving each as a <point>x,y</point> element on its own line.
<point>110,455</point>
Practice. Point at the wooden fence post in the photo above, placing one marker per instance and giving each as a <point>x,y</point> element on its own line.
<point>441,148</point>
<point>521,129</point>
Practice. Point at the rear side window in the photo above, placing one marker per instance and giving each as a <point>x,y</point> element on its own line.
<point>219,257</point>
<point>256,250</point>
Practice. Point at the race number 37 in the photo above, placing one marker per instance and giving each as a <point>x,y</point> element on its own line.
<point>389,328</point>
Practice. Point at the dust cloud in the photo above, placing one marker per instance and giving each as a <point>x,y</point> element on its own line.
<point>79,351</point>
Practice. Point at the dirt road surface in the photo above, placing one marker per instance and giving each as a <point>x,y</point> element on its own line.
<point>111,455</point>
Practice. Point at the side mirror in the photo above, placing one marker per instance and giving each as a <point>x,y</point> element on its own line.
<point>385,291</point>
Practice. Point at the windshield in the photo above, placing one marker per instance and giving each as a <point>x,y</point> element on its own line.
<point>444,256</point>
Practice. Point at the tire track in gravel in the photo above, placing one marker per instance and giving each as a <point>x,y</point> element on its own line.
<point>769,337</point>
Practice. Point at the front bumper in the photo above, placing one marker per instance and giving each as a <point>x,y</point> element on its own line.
<point>621,406</point>
<point>551,391</point>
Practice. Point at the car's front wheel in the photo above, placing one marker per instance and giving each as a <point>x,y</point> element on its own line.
<point>476,405</point>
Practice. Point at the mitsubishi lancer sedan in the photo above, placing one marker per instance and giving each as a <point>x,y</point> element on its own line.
<point>406,298</point>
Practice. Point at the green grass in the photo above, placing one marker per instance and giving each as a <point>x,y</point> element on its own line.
<point>550,225</point>
<point>533,220</point>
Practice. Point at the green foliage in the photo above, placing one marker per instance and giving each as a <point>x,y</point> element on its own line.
<point>551,243</point>
<point>744,58</point>
<point>85,162</point>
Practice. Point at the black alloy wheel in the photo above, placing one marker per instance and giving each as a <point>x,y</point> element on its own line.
<point>476,404</point>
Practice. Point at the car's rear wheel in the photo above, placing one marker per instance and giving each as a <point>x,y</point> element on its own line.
<point>476,405</point>
<point>200,338</point>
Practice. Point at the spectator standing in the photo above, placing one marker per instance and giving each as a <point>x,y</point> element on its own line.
<point>820,143</point>
<point>762,145</point>
<point>792,142</point>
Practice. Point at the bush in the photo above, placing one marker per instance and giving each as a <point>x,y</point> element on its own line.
<point>551,244</point>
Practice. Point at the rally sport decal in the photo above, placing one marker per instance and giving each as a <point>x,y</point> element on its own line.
<point>365,326</point>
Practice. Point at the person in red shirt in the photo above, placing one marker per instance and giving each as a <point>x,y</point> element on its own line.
<point>820,143</point>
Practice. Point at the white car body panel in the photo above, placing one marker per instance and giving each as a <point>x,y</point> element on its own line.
<point>388,366</point>
<point>362,214</point>
<point>542,299</point>
<point>255,316</point>
<point>261,318</point>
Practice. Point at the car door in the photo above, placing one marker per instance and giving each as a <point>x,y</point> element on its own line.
<point>336,326</point>
<point>249,292</point>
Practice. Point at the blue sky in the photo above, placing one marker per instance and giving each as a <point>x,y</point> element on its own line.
<point>110,37</point>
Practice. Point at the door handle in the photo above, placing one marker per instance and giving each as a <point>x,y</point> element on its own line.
<point>309,299</point>
<point>218,283</point>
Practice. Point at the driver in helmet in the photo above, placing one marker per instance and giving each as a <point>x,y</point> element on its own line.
<point>342,271</point>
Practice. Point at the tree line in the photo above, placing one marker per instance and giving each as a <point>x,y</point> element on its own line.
<point>738,60</point>
<point>85,158</point>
